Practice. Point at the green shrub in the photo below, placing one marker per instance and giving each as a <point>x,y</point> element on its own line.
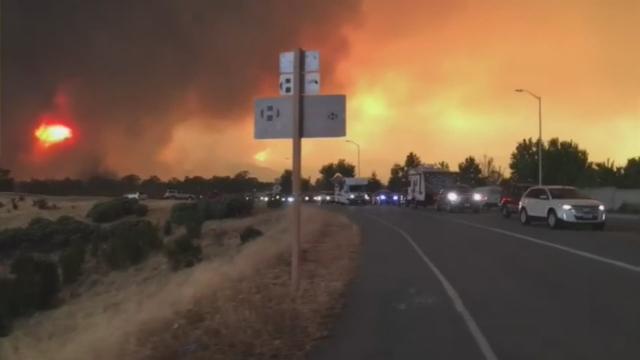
<point>274,203</point>
<point>37,283</point>
<point>182,252</point>
<point>236,206</point>
<point>129,243</point>
<point>71,261</point>
<point>140,210</point>
<point>249,233</point>
<point>7,311</point>
<point>43,204</point>
<point>168,228</point>
<point>183,213</point>
<point>112,210</point>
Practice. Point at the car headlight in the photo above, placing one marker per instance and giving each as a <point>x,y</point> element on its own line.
<point>566,207</point>
<point>477,197</point>
<point>452,196</point>
<point>306,198</point>
<point>382,197</point>
<point>290,199</point>
<point>366,197</point>
<point>601,207</point>
<point>327,198</point>
<point>395,197</point>
<point>351,196</point>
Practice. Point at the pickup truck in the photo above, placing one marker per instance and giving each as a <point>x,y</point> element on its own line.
<point>176,195</point>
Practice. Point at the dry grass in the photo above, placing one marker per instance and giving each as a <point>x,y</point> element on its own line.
<point>76,206</point>
<point>234,305</point>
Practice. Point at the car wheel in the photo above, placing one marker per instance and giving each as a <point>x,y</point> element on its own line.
<point>524,217</point>
<point>505,212</point>
<point>552,220</point>
<point>598,226</point>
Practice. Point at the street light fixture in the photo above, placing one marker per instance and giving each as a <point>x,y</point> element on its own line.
<point>539,98</point>
<point>358,146</point>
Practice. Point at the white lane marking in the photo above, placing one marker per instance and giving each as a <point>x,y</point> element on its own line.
<point>477,334</point>
<point>546,243</point>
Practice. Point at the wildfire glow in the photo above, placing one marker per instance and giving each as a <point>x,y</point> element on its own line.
<point>48,134</point>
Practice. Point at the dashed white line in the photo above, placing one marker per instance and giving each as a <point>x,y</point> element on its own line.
<point>546,243</point>
<point>477,334</point>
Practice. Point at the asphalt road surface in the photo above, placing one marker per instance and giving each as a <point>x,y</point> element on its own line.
<point>476,286</point>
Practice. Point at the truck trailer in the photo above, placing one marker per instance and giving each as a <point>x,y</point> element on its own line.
<point>425,182</point>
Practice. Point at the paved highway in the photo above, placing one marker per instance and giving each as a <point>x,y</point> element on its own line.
<point>475,286</point>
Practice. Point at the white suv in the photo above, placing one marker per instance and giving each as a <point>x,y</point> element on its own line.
<point>559,205</point>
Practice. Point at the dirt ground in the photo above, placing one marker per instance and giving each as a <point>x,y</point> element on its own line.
<point>236,304</point>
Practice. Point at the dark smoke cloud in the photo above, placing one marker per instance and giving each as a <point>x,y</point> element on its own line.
<point>134,69</point>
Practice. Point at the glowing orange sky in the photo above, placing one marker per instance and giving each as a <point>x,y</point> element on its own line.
<point>438,80</point>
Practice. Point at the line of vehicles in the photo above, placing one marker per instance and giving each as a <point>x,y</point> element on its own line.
<point>431,186</point>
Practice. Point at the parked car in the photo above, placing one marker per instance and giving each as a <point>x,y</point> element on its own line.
<point>325,197</point>
<point>560,205</point>
<point>490,195</point>
<point>177,195</point>
<point>136,195</point>
<point>459,197</point>
<point>510,198</point>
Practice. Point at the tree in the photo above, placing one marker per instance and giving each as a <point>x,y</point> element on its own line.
<point>631,173</point>
<point>373,184</point>
<point>286,182</point>
<point>412,160</point>
<point>564,163</point>
<point>130,182</point>
<point>328,171</point>
<point>604,174</point>
<point>491,173</point>
<point>524,162</point>
<point>470,172</point>
<point>396,182</point>
<point>442,165</point>
<point>6,182</point>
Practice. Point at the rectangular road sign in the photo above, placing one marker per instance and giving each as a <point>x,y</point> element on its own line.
<point>286,62</point>
<point>274,118</point>
<point>311,83</point>
<point>324,117</point>
<point>311,61</point>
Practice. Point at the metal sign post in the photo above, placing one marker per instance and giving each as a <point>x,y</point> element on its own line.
<point>299,112</point>
<point>298,119</point>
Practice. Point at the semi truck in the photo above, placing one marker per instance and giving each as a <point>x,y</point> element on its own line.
<point>425,182</point>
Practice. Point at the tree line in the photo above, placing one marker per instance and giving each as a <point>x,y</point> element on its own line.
<point>105,185</point>
<point>563,163</point>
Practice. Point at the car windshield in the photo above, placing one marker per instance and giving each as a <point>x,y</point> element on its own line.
<point>357,188</point>
<point>566,193</point>
<point>462,189</point>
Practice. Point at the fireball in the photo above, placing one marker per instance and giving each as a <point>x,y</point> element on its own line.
<point>50,134</point>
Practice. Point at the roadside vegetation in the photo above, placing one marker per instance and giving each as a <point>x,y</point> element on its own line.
<point>221,292</point>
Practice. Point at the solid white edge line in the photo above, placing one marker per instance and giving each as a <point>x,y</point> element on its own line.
<point>474,329</point>
<point>546,243</point>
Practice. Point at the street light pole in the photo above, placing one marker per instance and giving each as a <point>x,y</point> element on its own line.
<point>539,98</point>
<point>358,146</point>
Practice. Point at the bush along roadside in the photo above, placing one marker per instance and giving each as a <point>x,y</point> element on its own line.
<point>129,243</point>
<point>116,209</point>
<point>182,252</point>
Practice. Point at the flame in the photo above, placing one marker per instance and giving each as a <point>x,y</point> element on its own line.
<point>50,134</point>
